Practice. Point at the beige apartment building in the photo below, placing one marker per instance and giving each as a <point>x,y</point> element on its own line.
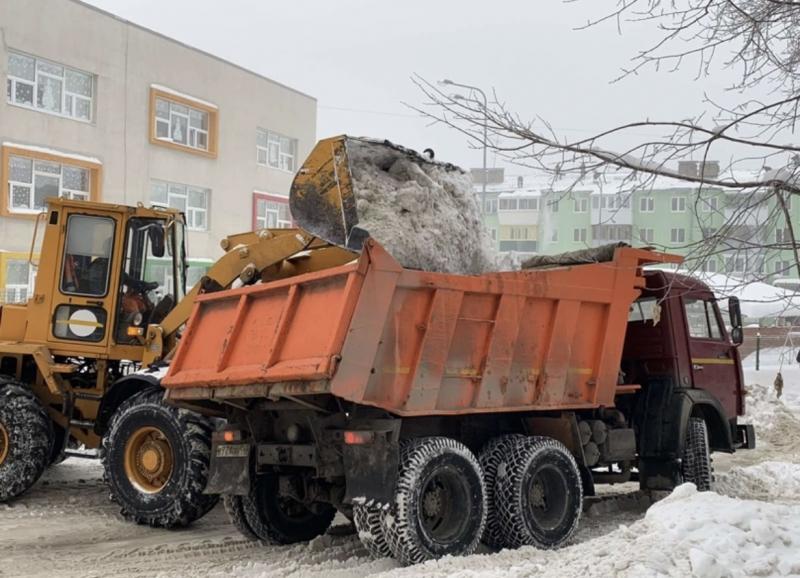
<point>99,108</point>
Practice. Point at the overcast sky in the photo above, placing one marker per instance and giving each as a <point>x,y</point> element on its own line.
<point>356,57</point>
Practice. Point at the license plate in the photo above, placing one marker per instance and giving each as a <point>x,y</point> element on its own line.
<point>233,451</point>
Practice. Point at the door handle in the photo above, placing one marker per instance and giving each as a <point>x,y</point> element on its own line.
<point>697,367</point>
<point>95,303</point>
<point>724,355</point>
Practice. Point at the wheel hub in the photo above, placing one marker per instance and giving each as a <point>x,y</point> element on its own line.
<point>4,443</point>
<point>432,502</point>
<point>148,460</point>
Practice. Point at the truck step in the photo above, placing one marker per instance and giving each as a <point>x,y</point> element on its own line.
<point>89,396</point>
<point>82,423</point>
<point>85,454</point>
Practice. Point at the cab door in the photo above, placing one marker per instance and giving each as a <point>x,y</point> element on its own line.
<point>713,355</point>
<point>83,294</point>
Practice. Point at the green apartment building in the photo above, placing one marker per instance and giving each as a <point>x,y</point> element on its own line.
<point>529,214</point>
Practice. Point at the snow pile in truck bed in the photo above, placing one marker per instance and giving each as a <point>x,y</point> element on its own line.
<point>423,213</point>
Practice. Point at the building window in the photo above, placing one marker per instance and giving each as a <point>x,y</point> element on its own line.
<point>709,266</point>
<point>647,205</point>
<point>276,150</point>
<point>194,273</point>
<point>579,235</point>
<point>271,211</point>
<point>191,201</point>
<point>782,267</point>
<point>519,233</point>
<point>493,234</point>
<point>182,121</point>
<point>709,232</point>
<point>528,205</point>
<point>677,235</point>
<point>554,206</point>
<point>734,265</point>
<point>709,205</point>
<point>678,204</point>
<point>20,277</point>
<point>32,176</point>
<point>49,87</point>
<point>554,236</point>
<point>508,204</point>
<point>646,235</point>
<point>490,206</point>
<point>783,235</point>
<point>581,205</point>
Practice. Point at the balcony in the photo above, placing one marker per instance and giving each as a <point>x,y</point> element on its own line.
<point>611,210</point>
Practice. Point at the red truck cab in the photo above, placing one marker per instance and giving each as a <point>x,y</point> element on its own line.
<point>679,343</point>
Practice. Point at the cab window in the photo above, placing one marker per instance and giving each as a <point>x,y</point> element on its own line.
<point>701,319</point>
<point>87,257</point>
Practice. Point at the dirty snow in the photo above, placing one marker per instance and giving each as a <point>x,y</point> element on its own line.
<point>423,213</point>
<point>750,526</point>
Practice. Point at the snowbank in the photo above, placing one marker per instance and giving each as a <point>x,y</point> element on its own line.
<point>687,534</point>
<point>423,213</point>
<point>772,481</point>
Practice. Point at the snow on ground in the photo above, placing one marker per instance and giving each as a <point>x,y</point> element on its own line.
<point>66,526</point>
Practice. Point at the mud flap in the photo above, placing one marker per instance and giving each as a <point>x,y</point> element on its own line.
<point>229,472</point>
<point>371,468</point>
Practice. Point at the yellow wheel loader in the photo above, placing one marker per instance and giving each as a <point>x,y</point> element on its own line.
<point>81,361</point>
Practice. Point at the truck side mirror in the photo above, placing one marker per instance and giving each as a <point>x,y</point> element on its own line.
<point>156,235</point>
<point>735,312</point>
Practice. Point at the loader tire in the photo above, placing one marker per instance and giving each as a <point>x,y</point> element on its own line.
<point>491,460</point>
<point>367,520</point>
<point>156,460</point>
<point>26,438</point>
<point>276,519</point>
<point>540,498</point>
<point>439,507</point>
<point>696,465</point>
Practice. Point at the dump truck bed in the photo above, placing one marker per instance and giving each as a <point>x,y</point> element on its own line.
<point>417,343</point>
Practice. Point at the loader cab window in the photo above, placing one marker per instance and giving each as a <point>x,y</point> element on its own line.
<point>152,277</point>
<point>87,257</point>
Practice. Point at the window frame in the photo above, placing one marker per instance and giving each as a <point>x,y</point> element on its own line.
<point>274,198</point>
<point>12,81</point>
<point>212,132</point>
<point>10,150</point>
<point>680,200</point>
<point>190,212</point>
<point>274,137</point>
<point>580,205</point>
<point>677,232</point>
<point>647,204</point>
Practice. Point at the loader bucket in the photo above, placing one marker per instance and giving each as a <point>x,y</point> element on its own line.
<point>324,197</point>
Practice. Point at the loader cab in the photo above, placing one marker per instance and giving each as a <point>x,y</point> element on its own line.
<point>105,272</point>
<point>676,330</point>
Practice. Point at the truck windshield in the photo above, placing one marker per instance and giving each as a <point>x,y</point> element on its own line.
<point>152,277</point>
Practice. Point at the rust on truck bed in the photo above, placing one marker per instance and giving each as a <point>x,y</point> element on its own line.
<point>418,343</point>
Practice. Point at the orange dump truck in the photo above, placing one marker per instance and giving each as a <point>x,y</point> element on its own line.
<point>440,410</point>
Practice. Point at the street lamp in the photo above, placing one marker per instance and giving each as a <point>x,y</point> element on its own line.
<point>447,82</point>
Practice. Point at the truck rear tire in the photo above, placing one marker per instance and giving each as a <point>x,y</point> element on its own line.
<point>156,459</point>
<point>491,459</point>
<point>696,465</point>
<point>367,520</point>
<point>26,438</point>
<point>439,507</point>
<point>540,497</point>
<point>276,519</point>
<point>235,510</point>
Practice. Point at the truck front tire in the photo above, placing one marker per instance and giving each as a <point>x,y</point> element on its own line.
<point>539,498</point>
<point>156,459</point>
<point>26,438</point>
<point>696,466</point>
<point>439,507</point>
<point>276,519</point>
